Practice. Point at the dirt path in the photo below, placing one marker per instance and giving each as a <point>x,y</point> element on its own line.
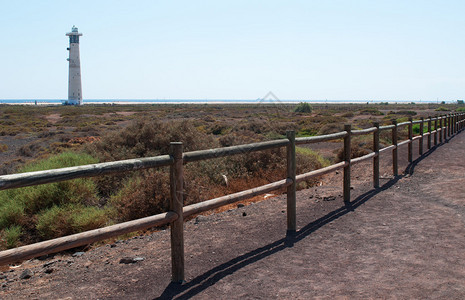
<point>405,240</point>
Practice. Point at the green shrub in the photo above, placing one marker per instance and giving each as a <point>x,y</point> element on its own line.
<point>303,107</point>
<point>416,128</point>
<point>69,219</point>
<point>349,114</point>
<point>371,111</point>
<point>320,161</point>
<point>330,128</point>
<point>442,108</point>
<point>404,112</point>
<point>20,207</point>
<point>10,237</point>
<point>36,198</point>
<point>149,138</point>
<point>143,195</point>
<point>460,109</point>
<point>307,132</point>
<point>11,211</point>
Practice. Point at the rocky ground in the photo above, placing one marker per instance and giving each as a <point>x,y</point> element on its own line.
<point>404,240</point>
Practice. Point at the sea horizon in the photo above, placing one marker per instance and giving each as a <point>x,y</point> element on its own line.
<point>206,101</point>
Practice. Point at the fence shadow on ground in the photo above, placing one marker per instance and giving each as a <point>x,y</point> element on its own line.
<point>209,278</point>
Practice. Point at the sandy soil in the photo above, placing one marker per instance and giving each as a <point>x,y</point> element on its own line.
<point>403,240</point>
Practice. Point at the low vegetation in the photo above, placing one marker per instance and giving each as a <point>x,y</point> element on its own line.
<point>41,138</point>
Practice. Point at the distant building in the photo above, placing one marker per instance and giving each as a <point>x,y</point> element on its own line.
<point>74,80</point>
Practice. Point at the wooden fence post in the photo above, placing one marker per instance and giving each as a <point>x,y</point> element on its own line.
<point>410,137</point>
<point>347,143</point>
<point>176,204</point>
<point>446,127</point>
<point>460,122</point>
<point>451,124</point>
<point>441,133</point>
<point>376,158</point>
<point>420,147</point>
<point>394,151</point>
<point>291,194</point>
<point>436,133</point>
<point>429,131</point>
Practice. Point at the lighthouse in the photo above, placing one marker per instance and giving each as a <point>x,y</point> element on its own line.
<point>74,80</point>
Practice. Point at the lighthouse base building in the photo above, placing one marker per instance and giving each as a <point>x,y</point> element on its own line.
<point>74,79</point>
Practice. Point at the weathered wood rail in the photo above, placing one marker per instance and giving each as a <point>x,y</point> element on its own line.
<point>444,127</point>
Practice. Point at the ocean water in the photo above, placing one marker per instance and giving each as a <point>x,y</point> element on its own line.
<point>198,101</point>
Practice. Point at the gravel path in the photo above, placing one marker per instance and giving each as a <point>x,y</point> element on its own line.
<point>404,240</point>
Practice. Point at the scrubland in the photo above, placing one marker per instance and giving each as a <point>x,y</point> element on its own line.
<point>47,137</point>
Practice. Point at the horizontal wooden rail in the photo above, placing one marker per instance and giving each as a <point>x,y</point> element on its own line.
<point>406,142</point>
<point>232,198</point>
<point>417,122</point>
<point>362,158</point>
<point>386,127</point>
<point>391,147</point>
<point>84,238</point>
<point>48,176</point>
<point>233,150</point>
<point>363,131</point>
<point>320,138</point>
<point>320,172</point>
<point>403,124</point>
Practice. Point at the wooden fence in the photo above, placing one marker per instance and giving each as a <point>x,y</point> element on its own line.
<point>444,127</point>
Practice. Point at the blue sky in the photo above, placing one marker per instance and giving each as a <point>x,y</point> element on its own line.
<point>302,50</point>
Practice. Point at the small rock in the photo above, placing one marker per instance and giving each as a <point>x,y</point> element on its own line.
<point>4,285</point>
<point>351,187</point>
<point>130,260</point>
<point>48,271</point>
<point>311,196</point>
<point>112,245</point>
<point>240,205</point>
<point>200,219</point>
<point>329,198</point>
<point>244,214</point>
<point>47,264</point>
<point>44,257</point>
<point>78,254</point>
<point>3,276</point>
<point>283,211</point>
<point>26,274</point>
<point>337,172</point>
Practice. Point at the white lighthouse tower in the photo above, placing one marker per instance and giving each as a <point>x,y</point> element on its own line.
<point>74,80</point>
